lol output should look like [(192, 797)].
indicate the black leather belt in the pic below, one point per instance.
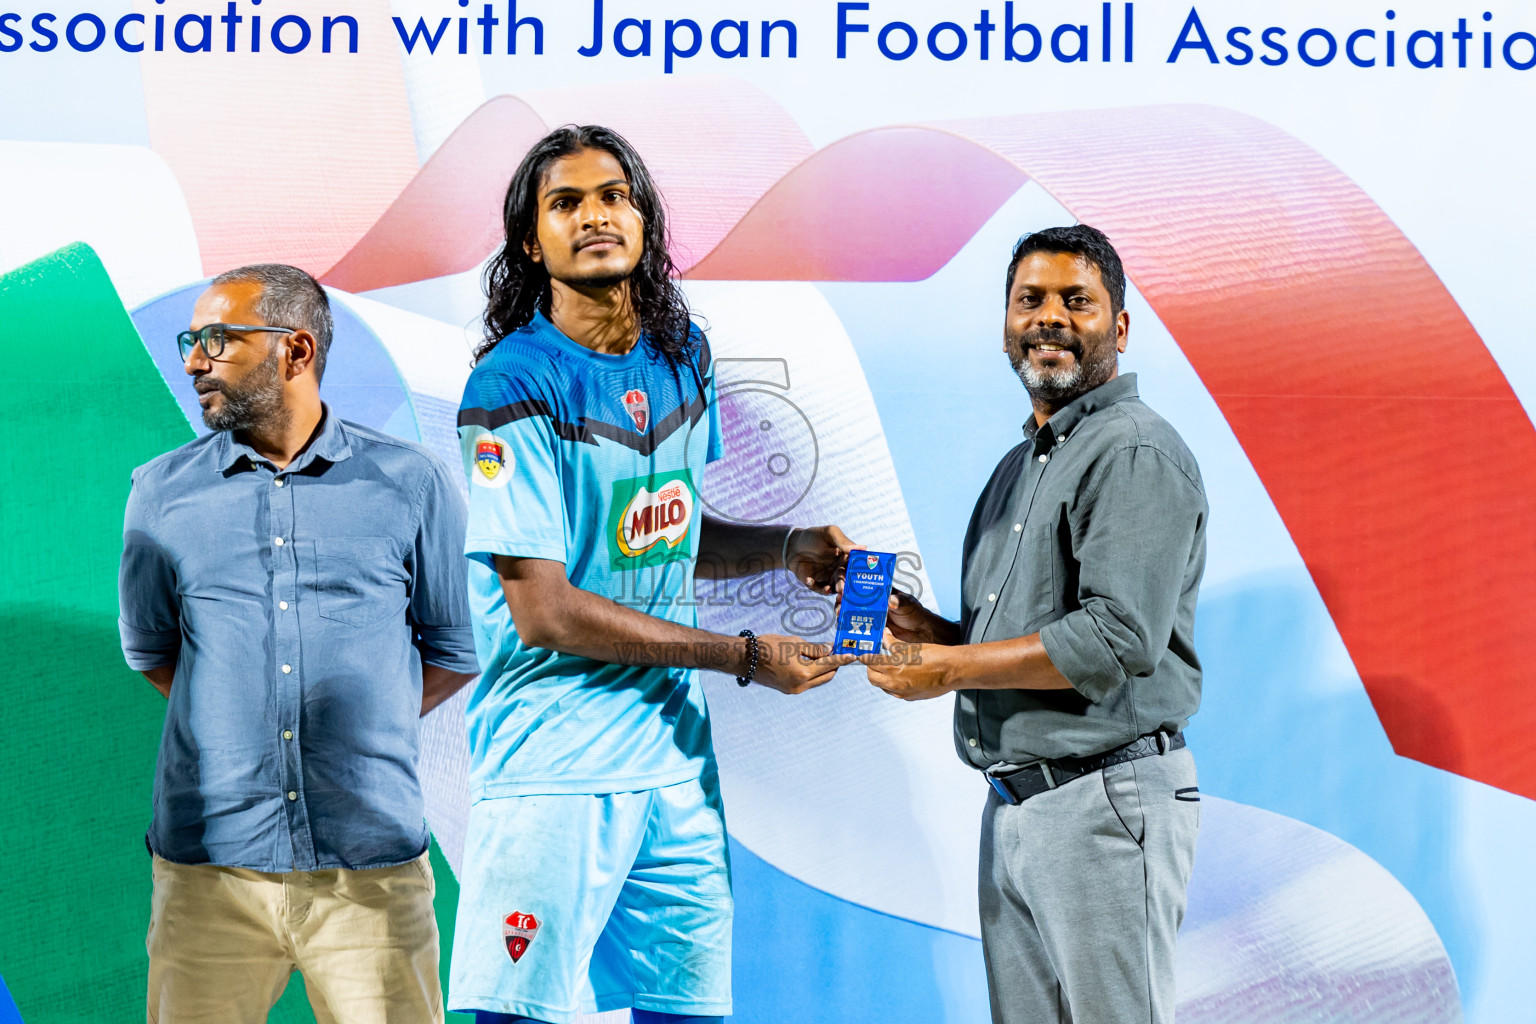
[(1046, 774)]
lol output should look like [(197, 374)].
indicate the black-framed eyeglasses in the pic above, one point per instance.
[(211, 337)]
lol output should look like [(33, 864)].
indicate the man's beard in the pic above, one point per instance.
[(255, 401), (601, 279), (1093, 363)]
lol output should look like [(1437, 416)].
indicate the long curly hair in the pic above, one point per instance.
[(516, 286)]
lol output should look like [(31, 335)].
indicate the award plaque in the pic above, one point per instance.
[(866, 596)]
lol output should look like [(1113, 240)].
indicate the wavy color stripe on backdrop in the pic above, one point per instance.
[(449, 219), (287, 158), (1388, 438)]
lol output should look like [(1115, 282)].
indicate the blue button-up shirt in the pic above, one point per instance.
[(297, 606)]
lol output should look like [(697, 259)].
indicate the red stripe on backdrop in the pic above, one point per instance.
[(1390, 442), (1387, 437), (449, 218)]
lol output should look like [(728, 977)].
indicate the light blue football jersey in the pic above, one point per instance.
[(593, 460)]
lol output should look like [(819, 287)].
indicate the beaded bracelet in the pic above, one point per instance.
[(751, 657)]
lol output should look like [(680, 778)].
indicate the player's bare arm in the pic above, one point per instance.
[(815, 555), (549, 612)]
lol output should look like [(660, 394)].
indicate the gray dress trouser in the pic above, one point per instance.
[(1082, 892)]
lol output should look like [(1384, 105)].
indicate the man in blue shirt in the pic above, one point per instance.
[(293, 584), (595, 869)]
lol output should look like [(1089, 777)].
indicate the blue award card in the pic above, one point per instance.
[(866, 596)]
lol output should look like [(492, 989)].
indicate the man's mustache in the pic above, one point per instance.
[(1060, 336), (594, 239)]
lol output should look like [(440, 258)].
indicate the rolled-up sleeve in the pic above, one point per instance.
[(149, 616), (1133, 539), (439, 577)]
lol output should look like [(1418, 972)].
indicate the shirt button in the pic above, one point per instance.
[(292, 795), (283, 605), (991, 597), (972, 741), (1043, 458), (278, 482), (279, 541), (1062, 439), (287, 669), (287, 734), (1017, 527)]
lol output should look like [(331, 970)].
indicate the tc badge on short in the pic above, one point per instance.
[(518, 930)]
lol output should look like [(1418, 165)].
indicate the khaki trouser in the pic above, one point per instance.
[(223, 941)]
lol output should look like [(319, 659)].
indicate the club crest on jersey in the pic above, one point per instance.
[(518, 930), (639, 408), (492, 461), (650, 519)]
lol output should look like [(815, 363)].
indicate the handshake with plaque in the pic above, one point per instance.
[(866, 597)]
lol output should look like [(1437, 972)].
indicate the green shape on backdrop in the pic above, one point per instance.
[(81, 405)]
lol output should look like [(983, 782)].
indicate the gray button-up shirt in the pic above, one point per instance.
[(1092, 534), (294, 604)]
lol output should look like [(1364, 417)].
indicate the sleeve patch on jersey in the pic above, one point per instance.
[(493, 462)]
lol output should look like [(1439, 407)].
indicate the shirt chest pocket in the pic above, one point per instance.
[(1019, 592), (359, 581), (1033, 587)]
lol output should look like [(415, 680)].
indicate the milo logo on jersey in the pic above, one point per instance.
[(650, 520)]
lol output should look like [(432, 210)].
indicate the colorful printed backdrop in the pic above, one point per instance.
[(1331, 326)]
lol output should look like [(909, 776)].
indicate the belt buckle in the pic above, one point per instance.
[(999, 783), (1001, 789)]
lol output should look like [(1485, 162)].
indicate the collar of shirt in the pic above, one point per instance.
[(329, 444), (1061, 424)]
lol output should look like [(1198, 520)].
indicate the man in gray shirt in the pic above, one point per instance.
[(1073, 662)]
